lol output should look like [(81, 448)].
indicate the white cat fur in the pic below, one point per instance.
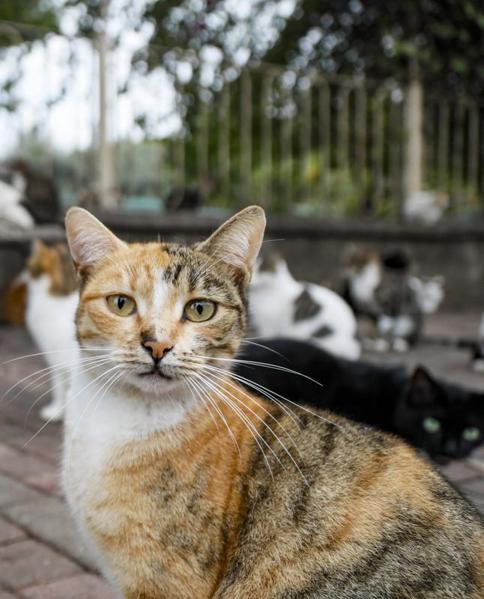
[(50, 321), (271, 304)]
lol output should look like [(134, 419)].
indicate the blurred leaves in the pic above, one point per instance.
[(26, 21)]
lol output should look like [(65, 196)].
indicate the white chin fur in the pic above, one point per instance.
[(152, 384)]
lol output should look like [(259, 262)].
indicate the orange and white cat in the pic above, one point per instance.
[(187, 486), (44, 297)]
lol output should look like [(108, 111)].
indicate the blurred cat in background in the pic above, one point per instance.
[(446, 420), (281, 306), (28, 195), (47, 291), (478, 351), (383, 289)]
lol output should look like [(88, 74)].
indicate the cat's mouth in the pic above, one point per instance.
[(155, 373)]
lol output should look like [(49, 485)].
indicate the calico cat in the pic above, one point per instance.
[(51, 300), (445, 420), (186, 485), (280, 305)]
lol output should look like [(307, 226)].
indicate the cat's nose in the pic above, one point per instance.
[(157, 349), (451, 447)]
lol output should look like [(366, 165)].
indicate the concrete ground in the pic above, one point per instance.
[(41, 554)]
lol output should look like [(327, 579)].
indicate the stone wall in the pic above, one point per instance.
[(314, 249)]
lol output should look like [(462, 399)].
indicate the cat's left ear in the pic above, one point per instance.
[(423, 388), (237, 242), (89, 240)]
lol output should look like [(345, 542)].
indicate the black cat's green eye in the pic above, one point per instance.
[(199, 310), (431, 425), (471, 434), (121, 305)]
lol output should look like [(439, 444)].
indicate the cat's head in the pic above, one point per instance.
[(357, 259), (430, 292), (53, 264), (270, 270), (160, 310), (445, 420)]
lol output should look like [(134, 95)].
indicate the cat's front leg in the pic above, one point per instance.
[(54, 411)]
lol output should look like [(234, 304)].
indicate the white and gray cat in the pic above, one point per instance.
[(282, 306), (383, 289)]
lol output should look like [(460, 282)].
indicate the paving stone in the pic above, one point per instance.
[(29, 563), (10, 533), (13, 492), (48, 518), (28, 469), (85, 586), (474, 487), (459, 471), (46, 445)]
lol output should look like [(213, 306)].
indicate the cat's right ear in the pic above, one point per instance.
[(89, 240)]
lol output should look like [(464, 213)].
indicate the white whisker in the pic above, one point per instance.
[(273, 433), (243, 417)]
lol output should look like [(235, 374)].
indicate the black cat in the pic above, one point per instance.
[(445, 420)]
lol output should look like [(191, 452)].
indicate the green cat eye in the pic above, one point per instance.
[(471, 434), (199, 310), (431, 425), (121, 305)]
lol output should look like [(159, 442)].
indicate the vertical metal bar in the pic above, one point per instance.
[(202, 145), (443, 147), (377, 150), (304, 141), (481, 155), (458, 154), (179, 158), (266, 141), (324, 140), (245, 137), (343, 129), (286, 150), (473, 151), (395, 174), (106, 181), (224, 141), (428, 170), (360, 143)]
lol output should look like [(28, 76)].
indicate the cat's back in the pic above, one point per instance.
[(364, 517), (334, 306)]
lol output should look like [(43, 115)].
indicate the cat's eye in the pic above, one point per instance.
[(431, 425), (199, 310), (471, 434), (121, 305)]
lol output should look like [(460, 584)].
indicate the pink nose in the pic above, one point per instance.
[(158, 349)]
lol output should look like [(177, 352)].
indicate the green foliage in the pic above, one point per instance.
[(25, 21), (442, 39)]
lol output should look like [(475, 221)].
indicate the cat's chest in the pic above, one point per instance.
[(50, 318), (140, 503), (148, 518)]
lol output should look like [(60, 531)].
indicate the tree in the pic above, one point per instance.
[(443, 39)]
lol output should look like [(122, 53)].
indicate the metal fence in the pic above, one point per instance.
[(292, 141)]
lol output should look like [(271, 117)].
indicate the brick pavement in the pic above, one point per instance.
[(41, 554)]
